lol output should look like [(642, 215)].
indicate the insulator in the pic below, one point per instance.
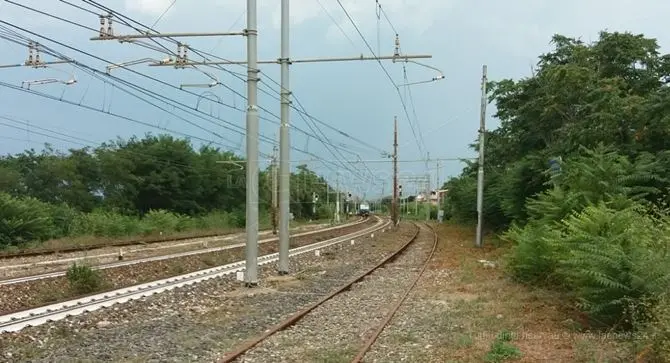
[(110, 30), (102, 25)]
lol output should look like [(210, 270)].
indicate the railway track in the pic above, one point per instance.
[(237, 354), (154, 258), (37, 316), (5, 255)]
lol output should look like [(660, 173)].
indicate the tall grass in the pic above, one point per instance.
[(28, 221)]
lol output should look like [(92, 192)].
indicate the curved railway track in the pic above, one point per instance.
[(5, 255), (154, 258), (240, 351), (37, 316)]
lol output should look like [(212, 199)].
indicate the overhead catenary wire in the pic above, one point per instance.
[(234, 73), (169, 38), (201, 53), (153, 94), (304, 111), (404, 106), (84, 142)]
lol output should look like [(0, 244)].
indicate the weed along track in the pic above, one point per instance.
[(43, 290), (346, 321)]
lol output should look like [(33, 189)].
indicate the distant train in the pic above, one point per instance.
[(364, 210)]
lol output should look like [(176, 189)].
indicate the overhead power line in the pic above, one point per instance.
[(155, 95), (326, 140)]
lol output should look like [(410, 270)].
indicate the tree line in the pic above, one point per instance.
[(577, 179), (134, 186)]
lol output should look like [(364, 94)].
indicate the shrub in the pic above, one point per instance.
[(107, 224), (613, 259), (160, 221), (83, 279), (23, 220), (653, 338), (64, 219)]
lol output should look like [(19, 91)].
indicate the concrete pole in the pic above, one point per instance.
[(274, 190), (427, 200), (284, 169), (251, 267), (337, 201), (328, 200), (437, 189), (394, 201), (480, 172)]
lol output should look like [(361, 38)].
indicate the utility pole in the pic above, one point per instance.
[(182, 62), (428, 206), (394, 212), (428, 202), (416, 200), (284, 143), (328, 200), (437, 190), (480, 172), (274, 190), (251, 267), (337, 201)]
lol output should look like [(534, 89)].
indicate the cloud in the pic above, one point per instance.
[(148, 7)]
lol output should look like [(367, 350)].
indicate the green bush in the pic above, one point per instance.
[(613, 259), (592, 234), (217, 220), (652, 342), (107, 224), (83, 279), (157, 221), (64, 219), (23, 220)]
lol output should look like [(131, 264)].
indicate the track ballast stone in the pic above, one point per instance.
[(336, 330), (199, 322), (36, 293)]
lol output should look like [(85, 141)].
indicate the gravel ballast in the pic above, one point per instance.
[(32, 265), (199, 322), (336, 330), (30, 294)]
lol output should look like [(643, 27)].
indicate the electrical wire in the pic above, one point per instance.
[(404, 106), (164, 12), (151, 47), (98, 57), (201, 53)]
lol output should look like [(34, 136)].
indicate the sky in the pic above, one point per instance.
[(355, 98)]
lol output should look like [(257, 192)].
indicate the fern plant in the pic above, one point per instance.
[(609, 258)]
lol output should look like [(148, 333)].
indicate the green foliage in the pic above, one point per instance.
[(158, 184), (107, 224), (23, 220), (162, 221), (83, 279), (595, 229), (612, 259), (653, 340), (501, 349)]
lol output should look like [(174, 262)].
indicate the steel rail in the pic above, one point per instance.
[(368, 344), (139, 241), (231, 356), (37, 316), (48, 275)]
